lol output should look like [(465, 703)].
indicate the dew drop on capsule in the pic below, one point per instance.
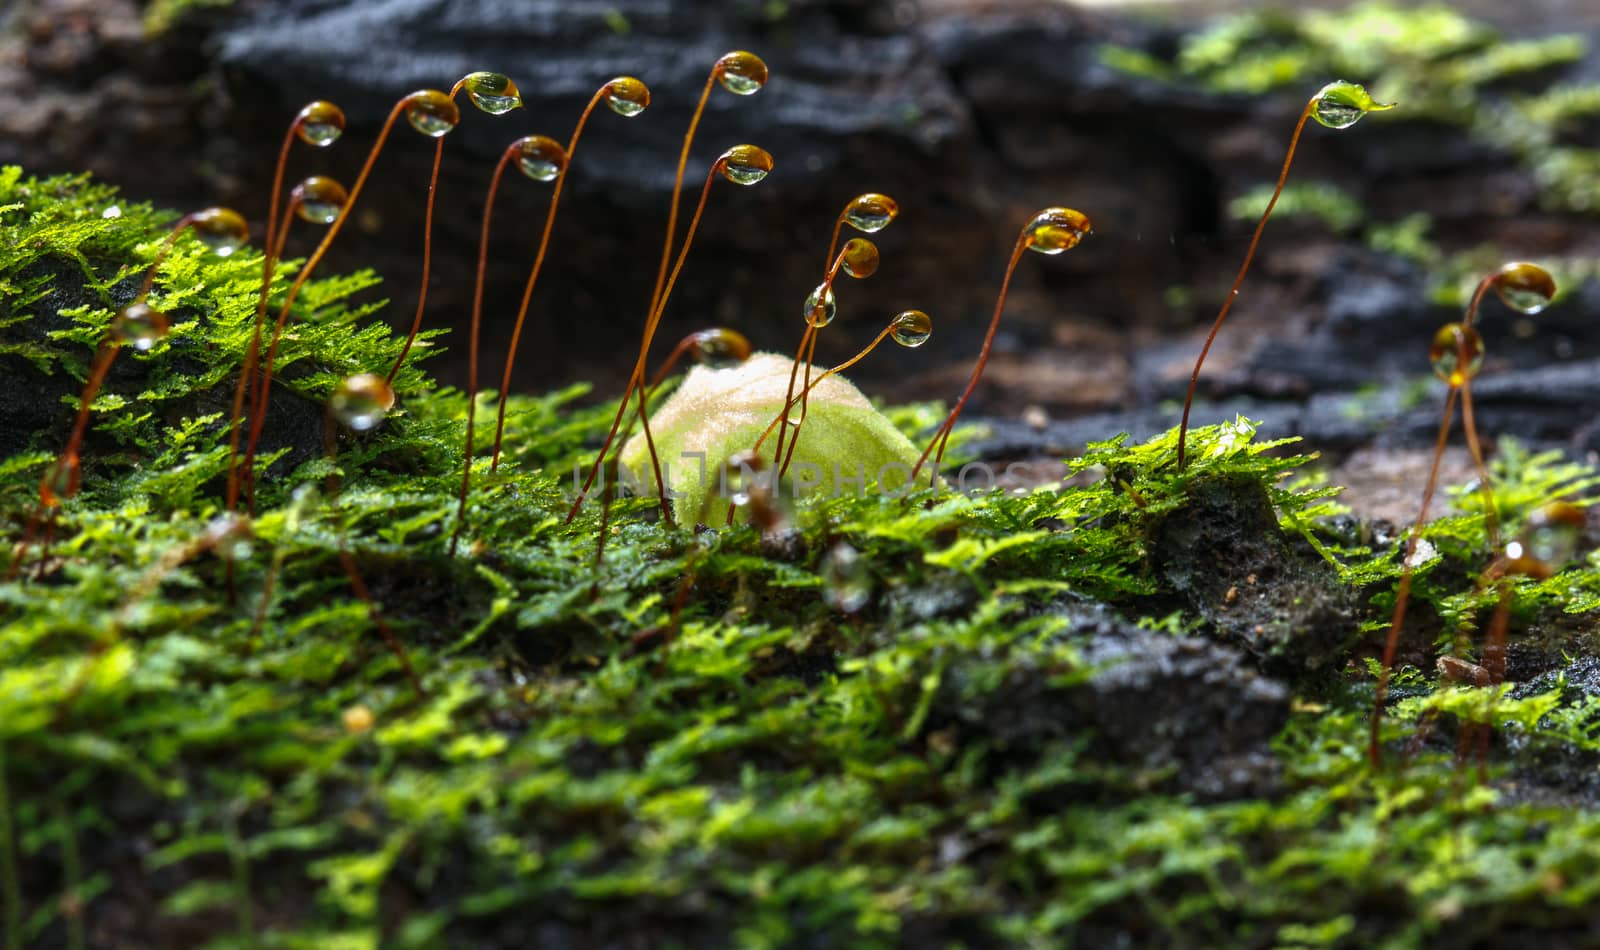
[(221, 229), (871, 212), (361, 401), (847, 584), (540, 157), (319, 124), (319, 199), (912, 328), (493, 93), (745, 164), (61, 481), (741, 73), (1553, 531), (431, 112), (860, 257), (1055, 230), (1525, 288), (1339, 105), (1456, 354), (720, 347), (821, 306), (627, 96), (139, 325)]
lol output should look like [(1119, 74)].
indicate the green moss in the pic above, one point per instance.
[(783, 773)]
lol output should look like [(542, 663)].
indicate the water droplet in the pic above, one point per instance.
[(741, 73), (745, 164), (860, 257), (319, 199), (60, 481), (1456, 354), (112, 212), (820, 306), (1339, 105), (220, 229), (431, 112), (319, 124), (229, 535), (361, 401), (540, 157), (871, 212), (1525, 288), (627, 96), (493, 93), (139, 326), (1552, 533), (720, 347), (847, 583), (1054, 230), (912, 328), (744, 475)]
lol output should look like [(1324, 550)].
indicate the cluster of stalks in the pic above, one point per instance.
[(362, 402)]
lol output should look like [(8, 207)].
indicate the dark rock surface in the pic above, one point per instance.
[(972, 114)]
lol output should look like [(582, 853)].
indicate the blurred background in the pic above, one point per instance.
[(1165, 123)]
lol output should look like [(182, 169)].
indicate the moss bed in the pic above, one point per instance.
[(1132, 710)]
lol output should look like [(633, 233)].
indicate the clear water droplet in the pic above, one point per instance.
[(1552, 533), (871, 212), (745, 164), (1456, 354), (139, 325), (912, 328), (720, 347), (847, 583), (1525, 288), (860, 258), (540, 157), (361, 401), (744, 475), (627, 96), (319, 199), (821, 307), (1339, 105), (229, 535), (60, 481), (220, 229), (493, 93), (741, 73), (431, 112), (319, 124), (1055, 230)]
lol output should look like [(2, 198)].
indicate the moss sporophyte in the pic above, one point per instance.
[(825, 719)]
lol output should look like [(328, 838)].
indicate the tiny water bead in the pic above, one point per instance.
[(860, 258), (871, 212), (431, 112), (847, 581), (912, 328), (1552, 533), (821, 306), (1340, 104), (361, 401), (223, 230), (540, 157), (1055, 230), (1456, 354), (627, 96), (745, 164), (60, 481), (720, 347), (319, 199), (493, 93), (742, 476), (319, 124), (1525, 288), (139, 325), (741, 73)]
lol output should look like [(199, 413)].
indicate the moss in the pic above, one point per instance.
[(974, 753)]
